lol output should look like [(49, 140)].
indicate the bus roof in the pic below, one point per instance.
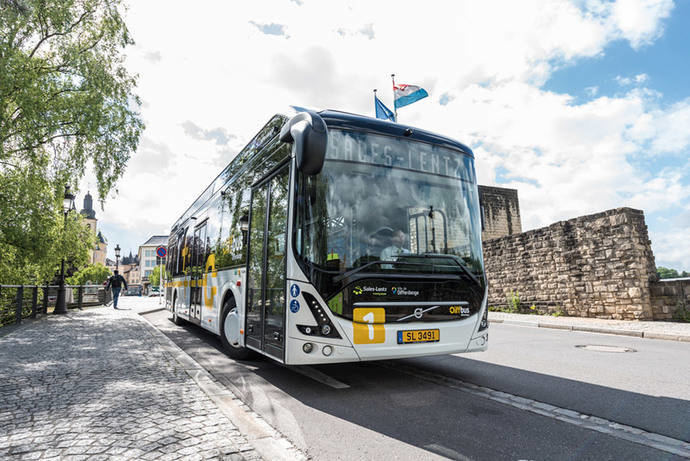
[(346, 120)]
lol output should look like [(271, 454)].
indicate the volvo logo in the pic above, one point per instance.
[(418, 313)]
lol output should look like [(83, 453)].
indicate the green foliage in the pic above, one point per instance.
[(34, 235), (665, 273), (513, 300), (155, 276), (65, 100), (94, 273), (560, 312)]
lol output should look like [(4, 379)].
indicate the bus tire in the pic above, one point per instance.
[(236, 352), (176, 318)]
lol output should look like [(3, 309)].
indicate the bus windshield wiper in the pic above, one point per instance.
[(457, 261), (352, 272)]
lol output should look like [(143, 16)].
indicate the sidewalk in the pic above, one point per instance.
[(674, 331), (104, 384)]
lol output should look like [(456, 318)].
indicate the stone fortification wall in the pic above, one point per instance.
[(671, 299), (598, 265), (500, 212)]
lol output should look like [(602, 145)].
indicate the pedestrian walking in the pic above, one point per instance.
[(115, 283)]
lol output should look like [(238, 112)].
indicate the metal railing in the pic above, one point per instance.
[(18, 302)]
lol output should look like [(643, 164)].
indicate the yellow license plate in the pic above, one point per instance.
[(418, 336)]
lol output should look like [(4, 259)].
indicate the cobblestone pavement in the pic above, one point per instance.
[(98, 385), (655, 330)]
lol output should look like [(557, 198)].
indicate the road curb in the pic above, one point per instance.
[(555, 326), (609, 331), (586, 329), (151, 311), (266, 440), (585, 421)]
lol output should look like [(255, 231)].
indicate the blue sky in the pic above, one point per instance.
[(582, 105), (665, 63)]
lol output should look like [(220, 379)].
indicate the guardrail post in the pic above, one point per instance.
[(20, 302), (80, 296), (34, 301), (45, 300)]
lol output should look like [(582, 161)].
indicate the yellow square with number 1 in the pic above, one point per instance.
[(368, 325)]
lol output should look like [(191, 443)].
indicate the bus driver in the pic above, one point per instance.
[(390, 253)]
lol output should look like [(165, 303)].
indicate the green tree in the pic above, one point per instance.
[(93, 273), (665, 273), (155, 276), (66, 100), (34, 235)]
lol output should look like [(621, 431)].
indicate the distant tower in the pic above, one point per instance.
[(88, 212), (101, 248)]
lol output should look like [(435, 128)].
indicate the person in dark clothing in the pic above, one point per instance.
[(115, 283)]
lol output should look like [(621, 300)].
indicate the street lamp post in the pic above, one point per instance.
[(117, 256), (67, 206)]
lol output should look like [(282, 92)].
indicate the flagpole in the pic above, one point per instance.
[(395, 109), (374, 102)]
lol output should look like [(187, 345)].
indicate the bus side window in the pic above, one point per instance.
[(231, 249), (172, 242), (185, 253)]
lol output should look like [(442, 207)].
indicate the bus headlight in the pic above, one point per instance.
[(327, 350), (307, 347)]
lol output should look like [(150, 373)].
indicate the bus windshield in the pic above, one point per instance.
[(385, 204)]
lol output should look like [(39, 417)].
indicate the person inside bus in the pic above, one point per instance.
[(396, 248)]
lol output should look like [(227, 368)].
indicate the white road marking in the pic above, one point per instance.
[(605, 426)]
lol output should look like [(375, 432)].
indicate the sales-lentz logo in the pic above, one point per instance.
[(376, 291), (402, 291)]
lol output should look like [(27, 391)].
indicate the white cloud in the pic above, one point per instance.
[(664, 131), (634, 80), (592, 91), (227, 72), (638, 21), (641, 78)]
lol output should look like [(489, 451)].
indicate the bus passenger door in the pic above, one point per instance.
[(266, 271), (197, 272)]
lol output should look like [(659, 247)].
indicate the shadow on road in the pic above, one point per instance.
[(442, 420)]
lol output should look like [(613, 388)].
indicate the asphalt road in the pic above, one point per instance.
[(389, 412)]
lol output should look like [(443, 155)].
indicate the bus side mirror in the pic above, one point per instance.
[(308, 132)]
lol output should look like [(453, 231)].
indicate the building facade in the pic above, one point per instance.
[(147, 256), (100, 250)]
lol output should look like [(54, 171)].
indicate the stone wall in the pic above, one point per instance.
[(500, 212), (670, 297), (599, 265)]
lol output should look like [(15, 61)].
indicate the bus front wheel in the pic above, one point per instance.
[(230, 333)]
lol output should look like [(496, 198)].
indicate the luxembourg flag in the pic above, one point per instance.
[(407, 94)]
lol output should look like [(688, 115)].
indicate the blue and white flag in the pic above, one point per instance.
[(407, 94), (383, 112)]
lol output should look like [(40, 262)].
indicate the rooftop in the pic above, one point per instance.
[(156, 240)]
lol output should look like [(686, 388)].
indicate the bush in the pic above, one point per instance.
[(95, 274), (513, 299)]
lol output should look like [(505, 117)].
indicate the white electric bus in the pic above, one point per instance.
[(333, 237)]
